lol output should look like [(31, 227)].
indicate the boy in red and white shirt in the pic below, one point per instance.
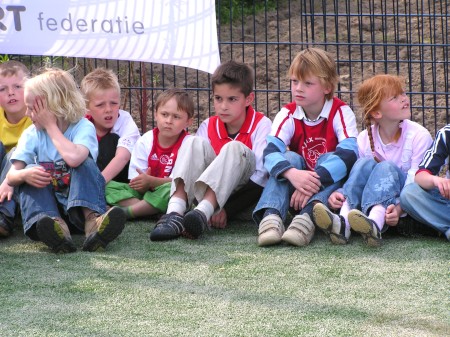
[(153, 158), (222, 166)]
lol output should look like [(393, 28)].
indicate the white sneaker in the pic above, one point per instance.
[(331, 224), (300, 231), (271, 229)]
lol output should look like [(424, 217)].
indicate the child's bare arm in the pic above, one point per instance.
[(72, 154), (35, 176), (429, 181), (117, 164)]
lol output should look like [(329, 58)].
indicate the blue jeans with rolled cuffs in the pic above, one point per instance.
[(428, 207), (371, 183), (278, 191), (87, 189), (7, 207)]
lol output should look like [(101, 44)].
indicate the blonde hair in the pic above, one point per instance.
[(13, 68), (370, 94), (99, 79), (184, 101), (316, 62), (59, 89)]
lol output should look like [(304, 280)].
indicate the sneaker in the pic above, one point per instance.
[(102, 229), (168, 227), (300, 232), (331, 224), (195, 224), (6, 225), (270, 230), (55, 234), (361, 224)]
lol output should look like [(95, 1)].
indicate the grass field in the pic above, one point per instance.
[(224, 285)]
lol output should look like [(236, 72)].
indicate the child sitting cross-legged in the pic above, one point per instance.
[(153, 158)]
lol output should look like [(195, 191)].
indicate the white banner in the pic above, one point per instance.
[(177, 32)]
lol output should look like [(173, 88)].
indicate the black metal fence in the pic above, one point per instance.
[(410, 38)]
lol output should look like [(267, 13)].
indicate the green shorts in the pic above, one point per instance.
[(158, 198)]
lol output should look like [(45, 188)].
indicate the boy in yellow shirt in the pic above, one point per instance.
[(12, 123)]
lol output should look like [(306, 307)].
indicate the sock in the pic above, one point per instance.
[(206, 208), (128, 212), (377, 214), (270, 211), (176, 205), (344, 213)]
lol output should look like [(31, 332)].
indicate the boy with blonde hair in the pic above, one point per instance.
[(310, 150), (221, 167), (13, 122), (116, 130)]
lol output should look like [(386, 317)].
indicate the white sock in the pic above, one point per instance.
[(206, 208), (378, 214), (344, 213), (177, 205)]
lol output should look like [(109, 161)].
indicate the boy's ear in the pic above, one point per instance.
[(190, 121), (249, 99)]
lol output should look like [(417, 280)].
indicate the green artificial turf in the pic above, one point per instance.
[(225, 285)]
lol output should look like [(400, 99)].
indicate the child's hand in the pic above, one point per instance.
[(38, 177), (6, 191), (299, 200), (336, 200), (306, 182), (141, 183), (443, 184), (42, 115), (219, 220), (393, 213)]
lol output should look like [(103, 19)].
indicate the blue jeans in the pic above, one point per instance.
[(87, 189), (428, 207), (7, 207), (371, 183), (278, 191)]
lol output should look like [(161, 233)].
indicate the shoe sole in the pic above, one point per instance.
[(322, 219), (4, 233), (109, 230), (360, 225), (193, 227), (47, 230)]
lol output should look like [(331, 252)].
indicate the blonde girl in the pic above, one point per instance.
[(61, 188)]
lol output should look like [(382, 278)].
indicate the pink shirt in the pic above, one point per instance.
[(406, 153)]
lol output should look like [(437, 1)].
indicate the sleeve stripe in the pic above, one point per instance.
[(344, 127)]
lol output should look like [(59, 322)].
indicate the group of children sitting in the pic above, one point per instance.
[(74, 162)]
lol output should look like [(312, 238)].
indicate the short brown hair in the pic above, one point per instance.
[(184, 101), (236, 74), (316, 62), (99, 79), (12, 68)]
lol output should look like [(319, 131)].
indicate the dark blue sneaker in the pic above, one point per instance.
[(169, 227), (195, 224)]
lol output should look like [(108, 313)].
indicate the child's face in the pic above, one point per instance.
[(230, 105), (171, 121), (309, 93), (394, 108), (12, 95), (103, 106)]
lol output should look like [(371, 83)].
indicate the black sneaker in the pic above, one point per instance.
[(168, 227), (51, 233), (368, 229), (6, 225), (195, 224), (106, 228)]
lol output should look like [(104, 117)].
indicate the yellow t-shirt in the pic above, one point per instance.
[(10, 133)]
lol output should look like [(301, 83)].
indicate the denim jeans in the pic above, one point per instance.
[(371, 183), (87, 189), (428, 207), (278, 191), (7, 207)]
